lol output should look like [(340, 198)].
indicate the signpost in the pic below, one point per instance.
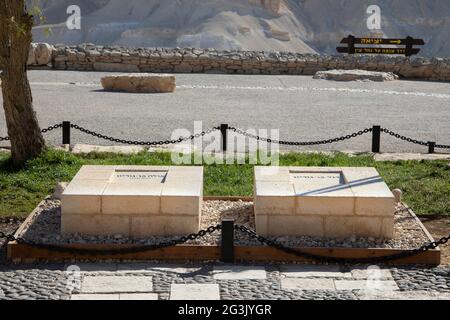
[(408, 42)]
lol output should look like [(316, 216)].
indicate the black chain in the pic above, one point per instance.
[(242, 132), (112, 252), (404, 138), (442, 146), (308, 143), (252, 234), (51, 128), (143, 143)]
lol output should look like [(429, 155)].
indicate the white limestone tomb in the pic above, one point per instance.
[(323, 202), (133, 201)]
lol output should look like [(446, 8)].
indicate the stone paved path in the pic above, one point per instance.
[(151, 281)]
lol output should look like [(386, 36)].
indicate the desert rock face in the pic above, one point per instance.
[(303, 26)]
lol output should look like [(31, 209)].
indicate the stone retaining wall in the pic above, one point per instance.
[(99, 58)]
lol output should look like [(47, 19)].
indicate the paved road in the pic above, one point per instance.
[(300, 107), (149, 281)]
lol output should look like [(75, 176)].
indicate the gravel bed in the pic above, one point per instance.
[(45, 228)]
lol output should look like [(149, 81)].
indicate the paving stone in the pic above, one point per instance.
[(307, 284), (95, 297), (405, 295), (194, 292), (239, 273), (371, 273), (313, 271), (138, 296), (116, 284), (94, 267), (385, 285), (151, 268)]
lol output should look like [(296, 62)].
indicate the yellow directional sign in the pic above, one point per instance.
[(368, 50), (379, 41)]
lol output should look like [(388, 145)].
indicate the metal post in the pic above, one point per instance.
[(431, 146), (351, 44), (409, 46), (224, 131), (376, 139), (227, 241), (66, 132)]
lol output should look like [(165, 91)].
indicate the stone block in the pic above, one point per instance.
[(194, 291), (115, 67), (101, 225), (282, 225), (339, 227), (140, 83), (261, 224), (387, 228), (116, 284), (158, 225), (313, 271), (367, 226)]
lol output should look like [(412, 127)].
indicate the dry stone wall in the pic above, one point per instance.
[(188, 60)]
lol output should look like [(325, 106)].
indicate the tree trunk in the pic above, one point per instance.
[(15, 38)]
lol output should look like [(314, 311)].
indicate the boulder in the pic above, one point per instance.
[(355, 75), (140, 83), (43, 53), (32, 55)]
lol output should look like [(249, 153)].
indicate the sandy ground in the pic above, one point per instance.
[(298, 106)]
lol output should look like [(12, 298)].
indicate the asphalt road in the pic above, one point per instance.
[(300, 107)]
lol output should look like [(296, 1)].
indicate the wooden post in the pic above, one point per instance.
[(227, 246), (376, 139)]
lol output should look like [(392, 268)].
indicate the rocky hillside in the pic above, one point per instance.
[(271, 25)]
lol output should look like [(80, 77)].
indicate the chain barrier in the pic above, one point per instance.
[(404, 138), (271, 243), (442, 146), (241, 132), (249, 232), (143, 143), (112, 252), (51, 128), (295, 143)]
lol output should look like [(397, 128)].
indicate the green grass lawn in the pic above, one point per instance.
[(426, 185)]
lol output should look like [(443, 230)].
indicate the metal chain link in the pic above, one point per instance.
[(442, 146), (252, 234), (112, 252), (143, 143), (308, 143), (48, 129), (404, 138)]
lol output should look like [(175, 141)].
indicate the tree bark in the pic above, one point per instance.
[(15, 38)]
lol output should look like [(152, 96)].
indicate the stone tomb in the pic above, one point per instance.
[(323, 202), (134, 201)]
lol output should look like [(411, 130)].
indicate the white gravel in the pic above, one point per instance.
[(45, 228)]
